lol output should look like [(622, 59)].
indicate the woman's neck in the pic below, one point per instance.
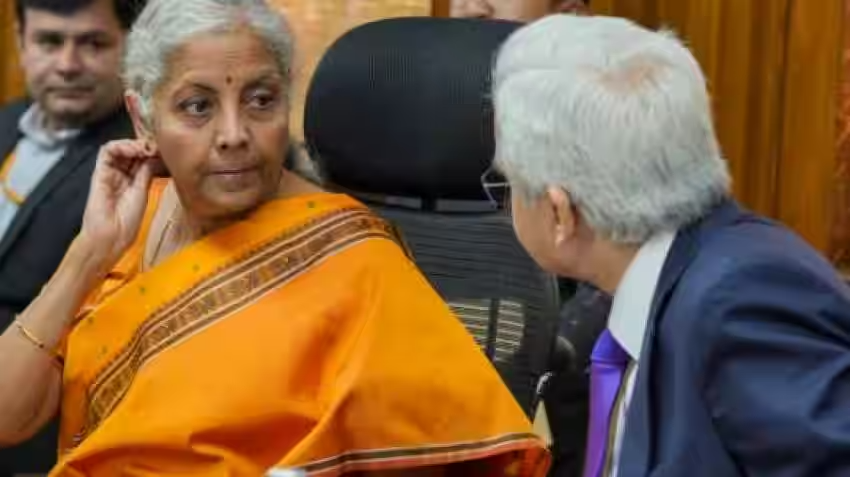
[(191, 228), (176, 227), (290, 185)]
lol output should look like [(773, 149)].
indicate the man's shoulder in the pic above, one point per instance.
[(750, 248), (116, 125), (755, 265), (13, 110)]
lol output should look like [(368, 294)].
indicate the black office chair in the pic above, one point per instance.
[(398, 114)]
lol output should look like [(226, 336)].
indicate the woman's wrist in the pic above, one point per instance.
[(87, 259), (85, 264)]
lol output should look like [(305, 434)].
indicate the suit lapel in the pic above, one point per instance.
[(9, 142), (78, 151), (54, 177), (9, 122), (638, 442)]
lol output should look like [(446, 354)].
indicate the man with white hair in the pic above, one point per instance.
[(585, 307), (727, 350)]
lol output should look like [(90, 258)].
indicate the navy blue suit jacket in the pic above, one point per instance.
[(745, 369)]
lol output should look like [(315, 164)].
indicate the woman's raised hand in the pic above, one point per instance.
[(118, 197)]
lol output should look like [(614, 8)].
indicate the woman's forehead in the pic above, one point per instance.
[(230, 57)]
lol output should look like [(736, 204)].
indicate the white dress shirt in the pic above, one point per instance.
[(629, 316)]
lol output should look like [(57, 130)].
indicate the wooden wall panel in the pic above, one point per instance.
[(808, 161), (746, 75), (441, 8), (841, 229), (11, 84)]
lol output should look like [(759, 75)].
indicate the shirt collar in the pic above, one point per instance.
[(31, 125), (633, 298)]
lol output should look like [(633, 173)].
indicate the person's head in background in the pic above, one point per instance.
[(641, 157), (519, 10), (71, 52)]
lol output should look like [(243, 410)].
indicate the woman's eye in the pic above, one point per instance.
[(262, 101), (196, 106)]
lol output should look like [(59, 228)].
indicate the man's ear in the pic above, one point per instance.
[(564, 213), (134, 108)]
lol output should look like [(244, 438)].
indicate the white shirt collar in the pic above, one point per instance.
[(633, 298), (31, 125)]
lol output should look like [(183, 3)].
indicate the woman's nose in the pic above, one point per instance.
[(232, 131)]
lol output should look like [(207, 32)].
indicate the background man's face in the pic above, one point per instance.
[(522, 10), (519, 10), (72, 63)]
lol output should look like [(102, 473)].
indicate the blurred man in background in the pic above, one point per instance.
[(585, 312), (70, 52)]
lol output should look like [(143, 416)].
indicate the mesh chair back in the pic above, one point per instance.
[(398, 115)]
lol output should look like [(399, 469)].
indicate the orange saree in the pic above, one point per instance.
[(300, 337)]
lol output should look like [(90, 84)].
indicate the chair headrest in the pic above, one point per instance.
[(401, 107)]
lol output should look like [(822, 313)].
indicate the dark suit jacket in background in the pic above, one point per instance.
[(745, 369), (37, 240)]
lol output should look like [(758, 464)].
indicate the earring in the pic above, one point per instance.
[(149, 148)]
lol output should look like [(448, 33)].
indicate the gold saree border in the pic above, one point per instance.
[(224, 292), (427, 455)]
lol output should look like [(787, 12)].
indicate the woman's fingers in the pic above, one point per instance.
[(143, 177), (126, 155)]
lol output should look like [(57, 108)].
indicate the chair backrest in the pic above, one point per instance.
[(398, 115)]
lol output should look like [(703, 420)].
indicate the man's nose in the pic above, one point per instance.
[(69, 62)]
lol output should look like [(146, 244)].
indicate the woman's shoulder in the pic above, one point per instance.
[(340, 225)]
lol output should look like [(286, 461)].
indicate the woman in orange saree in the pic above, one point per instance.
[(301, 337), (239, 319)]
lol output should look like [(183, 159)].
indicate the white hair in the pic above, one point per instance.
[(166, 25), (616, 115)]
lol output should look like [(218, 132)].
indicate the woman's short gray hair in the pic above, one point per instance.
[(616, 115), (166, 25)]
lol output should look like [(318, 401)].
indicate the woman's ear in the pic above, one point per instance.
[(134, 108), (143, 133)]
